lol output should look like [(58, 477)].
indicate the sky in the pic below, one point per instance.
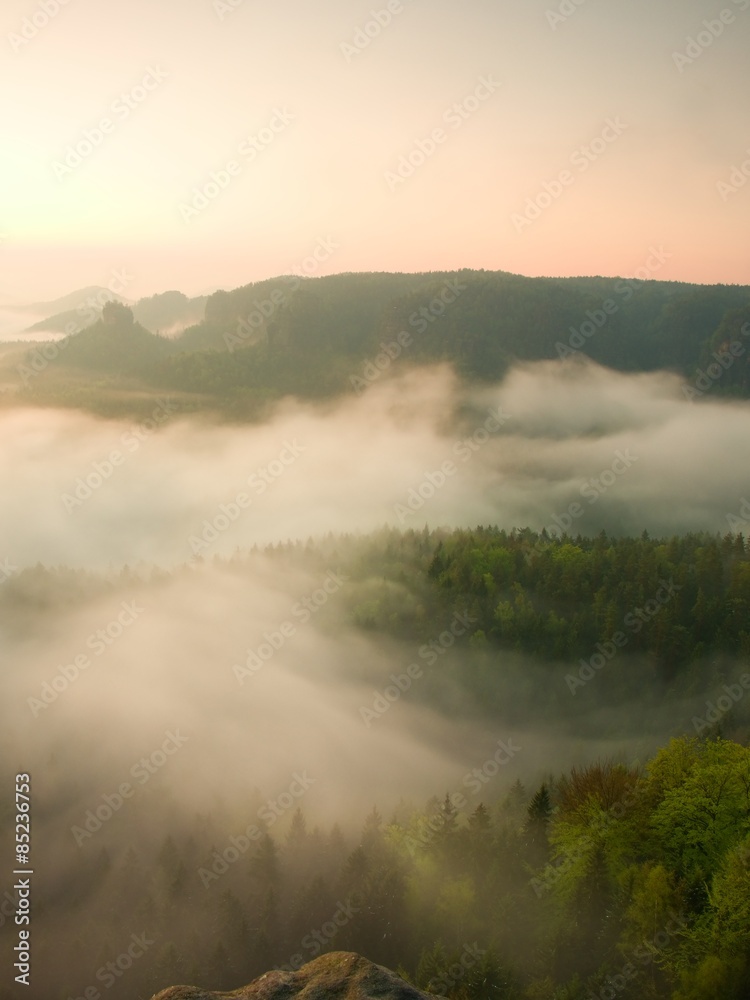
[(207, 144)]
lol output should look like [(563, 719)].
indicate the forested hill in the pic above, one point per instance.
[(322, 337), (480, 319), (625, 878), (659, 618)]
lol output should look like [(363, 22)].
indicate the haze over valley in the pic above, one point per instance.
[(374, 449)]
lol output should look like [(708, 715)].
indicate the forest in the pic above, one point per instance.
[(623, 876), (326, 337), (611, 880), (588, 833)]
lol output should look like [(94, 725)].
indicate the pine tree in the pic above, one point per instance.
[(539, 814)]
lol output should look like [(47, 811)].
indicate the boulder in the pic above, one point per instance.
[(342, 975)]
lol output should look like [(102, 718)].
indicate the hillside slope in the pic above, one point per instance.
[(325, 337)]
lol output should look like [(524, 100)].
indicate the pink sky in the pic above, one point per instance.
[(499, 135)]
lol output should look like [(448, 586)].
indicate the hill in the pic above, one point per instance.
[(327, 336), (73, 300), (167, 312), (116, 344), (324, 337), (478, 319)]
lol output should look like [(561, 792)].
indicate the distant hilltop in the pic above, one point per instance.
[(167, 313), (237, 352)]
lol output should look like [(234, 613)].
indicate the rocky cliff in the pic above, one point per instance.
[(341, 975)]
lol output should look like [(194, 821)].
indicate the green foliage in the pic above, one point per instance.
[(704, 804), (456, 909), (611, 876)]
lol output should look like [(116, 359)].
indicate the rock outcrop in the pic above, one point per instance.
[(340, 975)]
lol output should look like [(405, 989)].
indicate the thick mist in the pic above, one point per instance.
[(555, 445), (212, 703), (152, 690), (262, 672)]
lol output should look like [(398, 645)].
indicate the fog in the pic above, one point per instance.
[(100, 495), (255, 687), (14, 322), (196, 656), (630, 450)]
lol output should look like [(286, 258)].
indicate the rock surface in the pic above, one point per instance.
[(342, 975)]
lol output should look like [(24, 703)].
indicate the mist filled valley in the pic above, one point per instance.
[(375, 504), (443, 661)]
